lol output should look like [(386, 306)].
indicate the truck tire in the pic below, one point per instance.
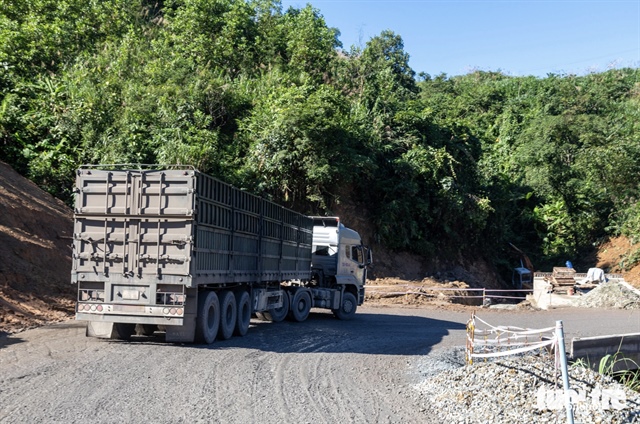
[(228, 315), (123, 331), (300, 305), (208, 320), (244, 313), (347, 308), (278, 314)]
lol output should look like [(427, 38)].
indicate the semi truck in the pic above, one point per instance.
[(169, 248)]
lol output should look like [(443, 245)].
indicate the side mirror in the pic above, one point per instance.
[(369, 255)]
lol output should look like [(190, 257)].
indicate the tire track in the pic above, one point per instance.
[(259, 390), (295, 385)]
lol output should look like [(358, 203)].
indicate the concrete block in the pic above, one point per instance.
[(593, 349)]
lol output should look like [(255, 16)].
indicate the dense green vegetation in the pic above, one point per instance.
[(268, 100)]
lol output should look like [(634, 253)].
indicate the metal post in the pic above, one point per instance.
[(565, 371)]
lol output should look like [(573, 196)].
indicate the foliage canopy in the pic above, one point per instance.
[(268, 100)]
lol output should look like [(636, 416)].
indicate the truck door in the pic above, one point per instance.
[(356, 263), (133, 224)]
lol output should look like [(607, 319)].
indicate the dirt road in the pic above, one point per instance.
[(319, 371)]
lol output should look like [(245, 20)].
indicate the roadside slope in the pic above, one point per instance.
[(620, 255), (35, 254)]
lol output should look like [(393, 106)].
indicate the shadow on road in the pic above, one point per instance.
[(379, 334), (367, 333), (7, 340)]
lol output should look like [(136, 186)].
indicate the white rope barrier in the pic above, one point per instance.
[(514, 351), (508, 340), (514, 330), (503, 342), (513, 344)]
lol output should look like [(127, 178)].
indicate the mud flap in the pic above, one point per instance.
[(185, 333), (102, 330)]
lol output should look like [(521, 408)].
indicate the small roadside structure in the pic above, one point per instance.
[(615, 293)]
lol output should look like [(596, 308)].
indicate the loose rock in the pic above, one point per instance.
[(526, 389), (612, 294)]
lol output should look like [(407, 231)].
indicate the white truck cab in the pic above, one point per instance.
[(339, 259)]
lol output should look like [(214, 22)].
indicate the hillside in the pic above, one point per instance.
[(621, 255), (35, 254)]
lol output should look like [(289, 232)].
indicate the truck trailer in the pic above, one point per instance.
[(168, 248)]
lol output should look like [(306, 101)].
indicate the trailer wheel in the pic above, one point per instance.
[(347, 308), (300, 306), (123, 331), (208, 320), (278, 314), (228, 315), (244, 313)]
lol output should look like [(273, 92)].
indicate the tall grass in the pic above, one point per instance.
[(609, 365), (630, 376)]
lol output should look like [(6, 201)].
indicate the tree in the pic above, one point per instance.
[(311, 45), (301, 143)]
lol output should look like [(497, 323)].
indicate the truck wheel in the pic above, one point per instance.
[(278, 314), (228, 315), (244, 313), (300, 306), (208, 320), (123, 331), (347, 308)]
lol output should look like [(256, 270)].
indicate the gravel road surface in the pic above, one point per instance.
[(319, 371)]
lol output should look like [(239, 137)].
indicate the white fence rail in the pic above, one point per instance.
[(482, 293)]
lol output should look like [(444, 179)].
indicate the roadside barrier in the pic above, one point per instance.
[(484, 293), (498, 341)]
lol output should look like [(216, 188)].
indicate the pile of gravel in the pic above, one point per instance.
[(613, 295), (519, 390)]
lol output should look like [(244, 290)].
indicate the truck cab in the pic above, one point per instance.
[(339, 260)]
